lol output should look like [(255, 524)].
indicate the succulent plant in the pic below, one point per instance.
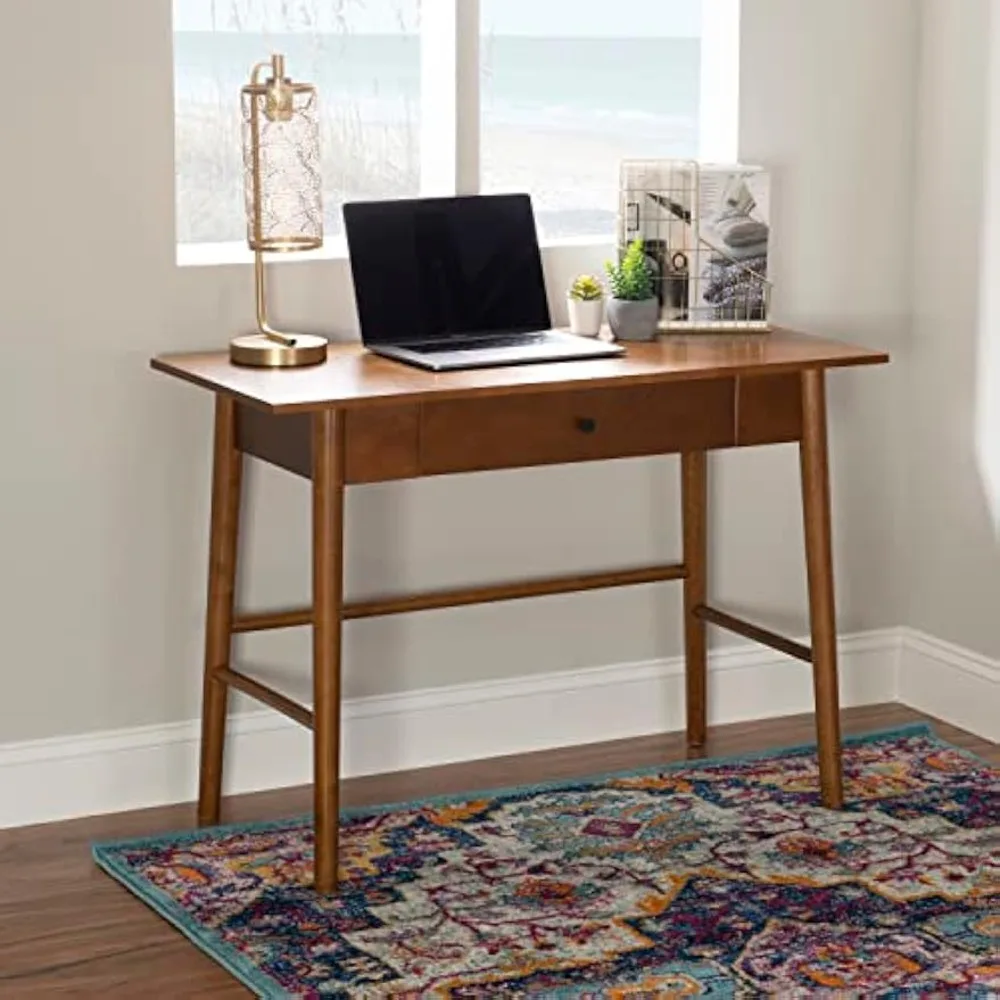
[(586, 288)]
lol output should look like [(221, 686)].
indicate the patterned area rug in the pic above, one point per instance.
[(717, 878)]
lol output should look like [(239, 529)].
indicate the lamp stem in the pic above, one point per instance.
[(262, 324)]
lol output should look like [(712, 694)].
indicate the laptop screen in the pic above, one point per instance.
[(430, 268)]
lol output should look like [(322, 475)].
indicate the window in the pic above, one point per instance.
[(363, 56), (545, 97), (568, 88)]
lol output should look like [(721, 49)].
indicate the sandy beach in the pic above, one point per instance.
[(571, 173)]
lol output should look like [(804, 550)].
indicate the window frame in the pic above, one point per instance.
[(451, 137)]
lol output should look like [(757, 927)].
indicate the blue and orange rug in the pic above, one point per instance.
[(717, 878)]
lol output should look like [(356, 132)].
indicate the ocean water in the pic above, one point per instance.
[(557, 116)]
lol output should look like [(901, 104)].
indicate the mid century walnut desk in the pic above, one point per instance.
[(363, 419)]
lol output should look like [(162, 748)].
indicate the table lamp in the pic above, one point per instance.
[(284, 202)]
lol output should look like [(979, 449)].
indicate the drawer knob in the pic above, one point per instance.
[(586, 424)]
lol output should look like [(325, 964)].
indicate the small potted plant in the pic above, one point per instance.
[(633, 309), (585, 300)]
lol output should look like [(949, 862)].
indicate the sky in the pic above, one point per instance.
[(546, 18)]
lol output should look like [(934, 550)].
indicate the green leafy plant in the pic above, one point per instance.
[(586, 288), (631, 278)]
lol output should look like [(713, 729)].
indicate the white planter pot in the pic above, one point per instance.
[(585, 317)]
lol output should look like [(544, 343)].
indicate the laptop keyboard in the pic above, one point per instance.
[(478, 343)]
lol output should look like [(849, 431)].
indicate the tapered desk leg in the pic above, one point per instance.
[(819, 563), (694, 496), (328, 563), (227, 477)]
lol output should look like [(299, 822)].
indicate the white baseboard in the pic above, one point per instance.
[(950, 683), (55, 779), (46, 780)]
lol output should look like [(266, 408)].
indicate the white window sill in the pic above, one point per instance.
[(214, 254), (334, 248)]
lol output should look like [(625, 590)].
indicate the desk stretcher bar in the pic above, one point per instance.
[(483, 595), (464, 597)]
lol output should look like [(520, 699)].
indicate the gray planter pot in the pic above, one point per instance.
[(633, 320)]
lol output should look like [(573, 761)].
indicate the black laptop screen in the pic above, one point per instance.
[(428, 268)]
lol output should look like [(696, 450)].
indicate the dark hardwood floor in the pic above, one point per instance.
[(68, 930)]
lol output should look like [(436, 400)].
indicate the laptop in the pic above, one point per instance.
[(455, 283)]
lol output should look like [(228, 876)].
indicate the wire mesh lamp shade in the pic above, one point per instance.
[(282, 181), (283, 193)]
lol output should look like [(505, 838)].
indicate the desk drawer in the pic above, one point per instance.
[(551, 428)]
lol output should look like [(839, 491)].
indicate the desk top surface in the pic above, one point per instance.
[(352, 377)]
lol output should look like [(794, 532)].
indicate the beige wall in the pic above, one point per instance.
[(953, 434), (104, 472)]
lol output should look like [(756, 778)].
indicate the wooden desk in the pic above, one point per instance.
[(363, 419)]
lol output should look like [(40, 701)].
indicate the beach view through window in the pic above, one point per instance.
[(362, 55), (571, 87), (568, 88)]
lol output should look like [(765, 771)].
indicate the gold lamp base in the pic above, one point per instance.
[(257, 350)]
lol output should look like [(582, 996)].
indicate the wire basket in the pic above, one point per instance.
[(706, 232)]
